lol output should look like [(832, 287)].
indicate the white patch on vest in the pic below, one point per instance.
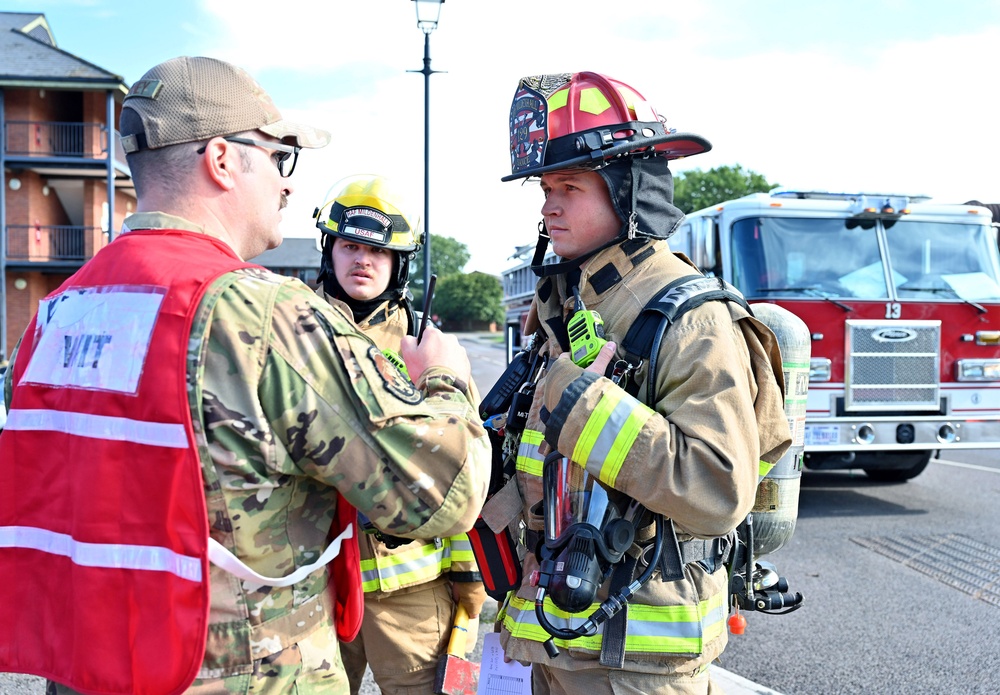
[(424, 481), (94, 338)]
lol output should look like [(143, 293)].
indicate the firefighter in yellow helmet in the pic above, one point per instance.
[(369, 236)]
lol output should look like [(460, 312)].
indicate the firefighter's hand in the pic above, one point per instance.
[(472, 595), (601, 362), (435, 349)]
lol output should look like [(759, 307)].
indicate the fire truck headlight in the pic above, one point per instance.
[(819, 369), (977, 370)]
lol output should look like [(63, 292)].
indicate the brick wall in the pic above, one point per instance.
[(30, 205)]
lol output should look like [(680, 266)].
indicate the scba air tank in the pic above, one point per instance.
[(777, 505)]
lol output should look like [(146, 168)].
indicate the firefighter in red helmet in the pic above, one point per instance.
[(672, 444)]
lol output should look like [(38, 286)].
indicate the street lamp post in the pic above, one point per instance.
[(428, 14)]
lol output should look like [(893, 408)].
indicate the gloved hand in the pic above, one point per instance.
[(472, 595)]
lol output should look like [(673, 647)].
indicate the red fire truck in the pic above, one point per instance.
[(902, 300)]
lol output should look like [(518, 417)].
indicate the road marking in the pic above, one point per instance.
[(967, 465)]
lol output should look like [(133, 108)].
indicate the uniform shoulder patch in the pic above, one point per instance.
[(393, 380)]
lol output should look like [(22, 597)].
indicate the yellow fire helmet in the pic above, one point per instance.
[(370, 210)]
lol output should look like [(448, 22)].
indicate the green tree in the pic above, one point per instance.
[(466, 300), (697, 189), (448, 257)]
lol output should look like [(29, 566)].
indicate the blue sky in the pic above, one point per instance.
[(877, 95)]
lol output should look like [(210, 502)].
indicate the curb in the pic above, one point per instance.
[(737, 685)]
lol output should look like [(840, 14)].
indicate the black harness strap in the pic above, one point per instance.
[(616, 627), (683, 294), (643, 342)]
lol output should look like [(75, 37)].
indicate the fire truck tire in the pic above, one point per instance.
[(905, 465)]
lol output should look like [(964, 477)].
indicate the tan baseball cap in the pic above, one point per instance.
[(189, 99)]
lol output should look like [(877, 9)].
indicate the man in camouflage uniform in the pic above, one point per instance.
[(293, 410), (370, 234)]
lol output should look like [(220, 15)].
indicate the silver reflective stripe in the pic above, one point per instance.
[(109, 555), (459, 544), (601, 450), (99, 427), (636, 628), (392, 570)]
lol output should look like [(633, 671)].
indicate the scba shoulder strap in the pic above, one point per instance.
[(642, 342)]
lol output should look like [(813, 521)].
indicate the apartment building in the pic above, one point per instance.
[(64, 184)]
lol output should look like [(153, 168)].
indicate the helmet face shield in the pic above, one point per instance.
[(528, 131), (587, 531), (573, 496), (585, 119)]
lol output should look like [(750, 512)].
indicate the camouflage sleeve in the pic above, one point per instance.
[(416, 462), (8, 376)]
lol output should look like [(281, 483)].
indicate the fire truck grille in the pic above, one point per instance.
[(892, 365)]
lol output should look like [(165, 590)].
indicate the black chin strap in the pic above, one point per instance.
[(542, 269)]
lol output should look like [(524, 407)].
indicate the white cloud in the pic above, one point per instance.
[(813, 111)]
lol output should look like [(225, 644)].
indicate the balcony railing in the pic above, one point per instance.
[(41, 243), (55, 139)]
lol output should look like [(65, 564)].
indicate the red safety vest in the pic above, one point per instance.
[(103, 523)]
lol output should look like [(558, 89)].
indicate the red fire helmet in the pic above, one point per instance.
[(584, 119)]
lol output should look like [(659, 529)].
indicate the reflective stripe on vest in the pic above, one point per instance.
[(651, 629), (528, 459), (107, 555), (609, 433), (413, 565), (99, 427)]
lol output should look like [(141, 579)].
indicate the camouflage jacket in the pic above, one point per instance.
[(291, 405), (387, 570)]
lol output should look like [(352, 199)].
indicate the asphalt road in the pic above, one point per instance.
[(901, 585)]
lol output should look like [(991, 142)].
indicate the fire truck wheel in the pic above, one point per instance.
[(897, 467)]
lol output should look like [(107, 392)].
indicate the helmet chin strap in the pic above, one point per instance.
[(542, 269)]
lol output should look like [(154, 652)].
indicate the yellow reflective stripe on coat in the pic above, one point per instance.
[(528, 459), (763, 468), (461, 549), (651, 629), (406, 568), (610, 432)]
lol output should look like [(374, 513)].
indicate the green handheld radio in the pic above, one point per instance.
[(396, 360), (586, 333)]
